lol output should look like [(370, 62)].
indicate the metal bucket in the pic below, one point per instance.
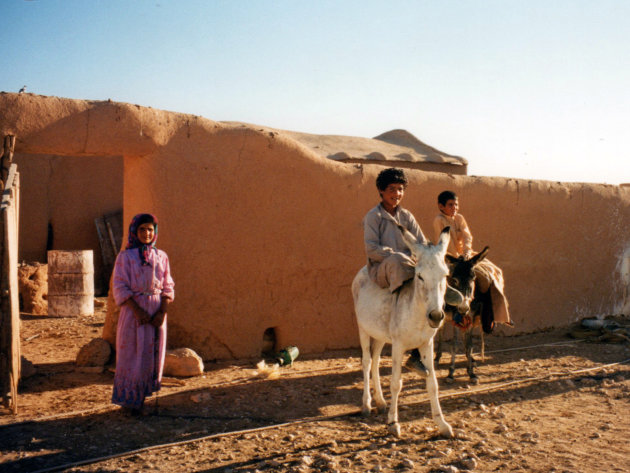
[(70, 282)]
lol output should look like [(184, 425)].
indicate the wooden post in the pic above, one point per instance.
[(10, 362), (7, 158)]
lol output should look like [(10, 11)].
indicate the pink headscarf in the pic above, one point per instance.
[(134, 242)]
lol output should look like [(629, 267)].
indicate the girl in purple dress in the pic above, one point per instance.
[(143, 288)]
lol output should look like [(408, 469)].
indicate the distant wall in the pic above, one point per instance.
[(69, 193), (261, 232), (422, 165), (273, 238)]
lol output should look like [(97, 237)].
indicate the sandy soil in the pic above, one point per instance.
[(545, 403)]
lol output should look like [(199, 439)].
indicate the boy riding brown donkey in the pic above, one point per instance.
[(488, 276)]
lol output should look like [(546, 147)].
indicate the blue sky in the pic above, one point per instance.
[(529, 89)]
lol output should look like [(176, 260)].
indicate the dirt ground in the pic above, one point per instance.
[(545, 403)]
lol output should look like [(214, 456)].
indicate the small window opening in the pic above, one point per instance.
[(269, 341)]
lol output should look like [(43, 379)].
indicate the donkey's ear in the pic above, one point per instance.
[(450, 259), (480, 256), (445, 238)]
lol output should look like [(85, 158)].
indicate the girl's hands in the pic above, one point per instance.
[(141, 316), (158, 318)]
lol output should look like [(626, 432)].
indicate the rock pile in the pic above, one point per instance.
[(33, 288)]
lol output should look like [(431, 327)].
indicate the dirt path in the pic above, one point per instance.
[(553, 405)]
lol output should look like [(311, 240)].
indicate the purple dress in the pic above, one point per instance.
[(140, 349)]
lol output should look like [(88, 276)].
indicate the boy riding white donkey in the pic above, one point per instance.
[(399, 297)]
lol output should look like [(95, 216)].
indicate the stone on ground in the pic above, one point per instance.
[(96, 353), (182, 362)]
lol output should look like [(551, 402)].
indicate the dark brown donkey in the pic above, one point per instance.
[(468, 315)]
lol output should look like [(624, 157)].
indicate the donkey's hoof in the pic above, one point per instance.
[(394, 429), (474, 380), (381, 408), (446, 430), (449, 380), (415, 365), (366, 411)]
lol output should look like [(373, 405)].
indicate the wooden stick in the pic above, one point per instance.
[(112, 240), (7, 157)]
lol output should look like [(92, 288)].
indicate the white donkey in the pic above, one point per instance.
[(409, 319)]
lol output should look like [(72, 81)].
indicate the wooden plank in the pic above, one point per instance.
[(5, 323), (9, 184), (16, 197), (103, 239), (108, 228), (114, 222), (112, 240), (7, 158), (10, 363), (9, 308), (106, 254), (14, 295)]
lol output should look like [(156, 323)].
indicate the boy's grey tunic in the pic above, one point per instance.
[(389, 262)]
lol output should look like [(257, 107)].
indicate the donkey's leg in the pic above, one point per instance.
[(472, 343), (396, 385), (483, 347), (438, 347), (451, 369), (366, 362), (377, 348), (432, 389), (470, 362)]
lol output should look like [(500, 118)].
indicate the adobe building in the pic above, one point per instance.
[(395, 148), (263, 229)]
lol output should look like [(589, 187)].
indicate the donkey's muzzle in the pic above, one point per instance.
[(464, 308), (435, 318)]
